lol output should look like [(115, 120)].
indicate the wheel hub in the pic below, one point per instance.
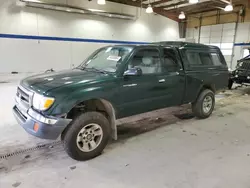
[(207, 104), (89, 137)]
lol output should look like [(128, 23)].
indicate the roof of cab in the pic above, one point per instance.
[(180, 44)]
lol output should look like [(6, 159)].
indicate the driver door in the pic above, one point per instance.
[(139, 94)]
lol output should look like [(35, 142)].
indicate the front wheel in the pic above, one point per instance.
[(86, 136), (204, 105)]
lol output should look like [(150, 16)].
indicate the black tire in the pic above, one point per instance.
[(69, 137), (197, 106), (230, 84)]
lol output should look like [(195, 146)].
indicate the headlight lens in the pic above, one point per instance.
[(41, 102)]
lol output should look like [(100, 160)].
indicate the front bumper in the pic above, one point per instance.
[(45, 130)]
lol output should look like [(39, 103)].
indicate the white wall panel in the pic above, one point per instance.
[(205, 31), (244, 26), (32, 55), (196, 35), (206, 28), (192, 34), (14, 20), (216, 28), (237, 55), (215, 39), (228, 33), (167, 30), (227, 45), (243, 37), (204, 40), (242, 34), (227, 39), (229, 26), (216, 44), (227, 57), (216, 34), (204, 34)]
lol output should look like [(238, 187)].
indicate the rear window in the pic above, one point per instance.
[(203, 58)]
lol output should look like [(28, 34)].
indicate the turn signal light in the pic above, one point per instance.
[(36, 127)]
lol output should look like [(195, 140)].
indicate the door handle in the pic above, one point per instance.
[(162, 80), (177, 73)]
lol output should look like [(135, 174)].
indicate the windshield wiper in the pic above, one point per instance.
[(92, 69), (95, 70)]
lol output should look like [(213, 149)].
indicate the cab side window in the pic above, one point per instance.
[(148, 60), (206, 58), (216, 59), (170, 63), (202, 59), (196, 58), (193, 58)]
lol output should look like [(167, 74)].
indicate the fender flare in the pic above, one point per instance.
[(112, 117), (205, 86)]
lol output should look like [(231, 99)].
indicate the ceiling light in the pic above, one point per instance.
[(182, 16), (101, 2), (193, 1), (149, 9), (229, 8)]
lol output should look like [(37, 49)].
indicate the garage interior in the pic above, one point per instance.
[(163, 148)]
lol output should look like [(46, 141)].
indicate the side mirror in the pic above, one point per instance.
[(133, 72)]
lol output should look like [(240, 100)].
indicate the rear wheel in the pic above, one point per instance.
[(204, 105), (86, 136)]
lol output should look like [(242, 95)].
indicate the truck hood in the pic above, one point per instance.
[(45, 82)]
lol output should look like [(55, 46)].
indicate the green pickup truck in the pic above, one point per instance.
[(81, 105)]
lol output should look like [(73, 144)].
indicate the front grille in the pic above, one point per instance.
[(23, 98), (245, 65)]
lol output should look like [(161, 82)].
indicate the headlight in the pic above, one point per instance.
[(41, 102)]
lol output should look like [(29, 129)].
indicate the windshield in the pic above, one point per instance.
[(106, 59)]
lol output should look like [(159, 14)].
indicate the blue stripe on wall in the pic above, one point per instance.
[(242, 44), (32, 37)]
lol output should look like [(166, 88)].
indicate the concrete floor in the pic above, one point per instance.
[(158, 149)]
